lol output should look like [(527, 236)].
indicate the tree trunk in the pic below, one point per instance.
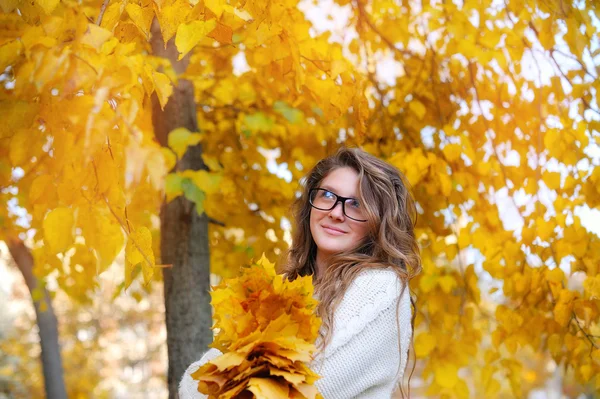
[(184, 235), (46, 319)]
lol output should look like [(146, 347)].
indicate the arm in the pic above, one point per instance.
[(363, 358), (188, 387)]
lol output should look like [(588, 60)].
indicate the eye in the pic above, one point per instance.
[(354, 203), (327, 194)]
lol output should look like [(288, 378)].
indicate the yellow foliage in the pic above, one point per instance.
[(446, 375), (102, 233), (181, 138), (267, 328), (48, 5), (465, 117), (140, 16), (163, 87), (424, 344), (171, 16), (58, 229), (188, 35), (138, 252)]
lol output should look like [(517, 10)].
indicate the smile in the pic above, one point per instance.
[(333, 231)]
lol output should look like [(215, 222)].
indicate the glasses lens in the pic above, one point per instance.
[(354, 210), (322, 199), (325, 200)]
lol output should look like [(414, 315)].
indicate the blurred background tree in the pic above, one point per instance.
[(188, 154), (112, 348)]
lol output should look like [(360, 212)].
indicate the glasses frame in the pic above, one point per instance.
[(338, 198)]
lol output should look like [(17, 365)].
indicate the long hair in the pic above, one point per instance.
[(384, 194)]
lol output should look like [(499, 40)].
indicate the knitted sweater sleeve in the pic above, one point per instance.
[(367, 354), (188, 387)]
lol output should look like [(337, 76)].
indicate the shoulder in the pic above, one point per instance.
[(368, 277), (372, 287), (369, 295)]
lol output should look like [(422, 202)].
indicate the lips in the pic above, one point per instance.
[(333, 230)]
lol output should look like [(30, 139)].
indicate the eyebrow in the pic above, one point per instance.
[(328, 188)]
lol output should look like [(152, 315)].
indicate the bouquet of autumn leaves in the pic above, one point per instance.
[(266, 331)]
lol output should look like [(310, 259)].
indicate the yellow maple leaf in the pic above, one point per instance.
[(418, 108), (102, 233), (20, 151), (563, 309), (48, 5), (188, 35), (225, 91), (163, 87), (446, 375), (452, 151), (206, 181), (222, 33), (266, 388), (107, 171), (592, 286), (228, 360), (555, 275), (96, 36), (58, 229), (267, 265), (428, 282), (171, 16), (9, 53), (141, 16), (111, 16), (424, 344), (160, 162), (447, 283), (240, 13), (139, 251), (8, 5), (216, 6), (41, 185)]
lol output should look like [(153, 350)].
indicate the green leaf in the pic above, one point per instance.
[(181, 138), (258, 122), (237, 38), (173, 187), (207, 182), (194, 194), (318, 111), (293, 115)]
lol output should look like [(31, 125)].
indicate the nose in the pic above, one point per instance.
[(337, 212)]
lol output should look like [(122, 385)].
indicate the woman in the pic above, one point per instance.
[(354, 233)]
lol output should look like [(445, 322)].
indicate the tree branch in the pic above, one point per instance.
[(46, 320), (365, 16), (102, 10)]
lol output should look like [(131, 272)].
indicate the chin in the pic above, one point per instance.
[(331, 248)]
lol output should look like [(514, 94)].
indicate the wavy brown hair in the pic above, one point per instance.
[(385, 195)]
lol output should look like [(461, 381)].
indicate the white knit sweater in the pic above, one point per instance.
[(361, 360)]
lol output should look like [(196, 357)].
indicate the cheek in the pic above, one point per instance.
[(361, 232), (313, 223)]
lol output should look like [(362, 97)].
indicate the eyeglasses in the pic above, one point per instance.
[(325, 200)]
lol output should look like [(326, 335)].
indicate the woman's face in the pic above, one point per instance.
[(333, 231)]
